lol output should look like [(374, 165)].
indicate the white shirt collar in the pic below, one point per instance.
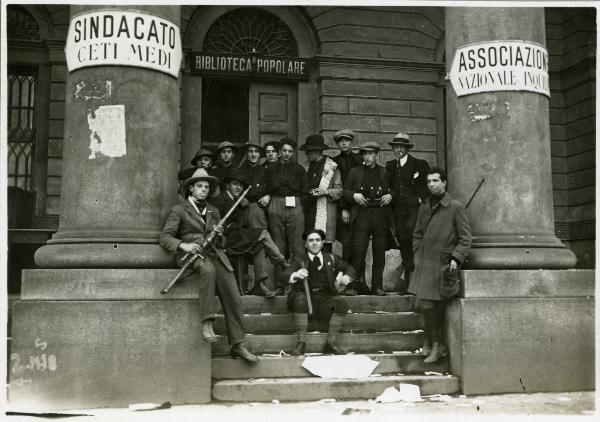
[(403, 160)]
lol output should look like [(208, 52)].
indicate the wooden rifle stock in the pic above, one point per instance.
[(207, 242)]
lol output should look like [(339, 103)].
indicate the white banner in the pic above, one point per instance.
[(500, 66), (115, 37)]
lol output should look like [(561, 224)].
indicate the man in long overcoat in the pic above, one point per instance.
[(442, 239), (187, 226)]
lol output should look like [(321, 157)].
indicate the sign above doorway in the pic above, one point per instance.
[(250, 65)]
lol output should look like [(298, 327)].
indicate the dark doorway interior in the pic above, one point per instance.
[(224, 111)]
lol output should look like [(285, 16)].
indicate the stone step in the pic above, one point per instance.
[(314, 388), (358, 304), (371, 322), (291, 366), (358, 343)]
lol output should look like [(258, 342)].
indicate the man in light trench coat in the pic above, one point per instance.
[(442, 238)]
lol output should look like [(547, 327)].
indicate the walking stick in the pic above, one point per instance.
[(474, 193), (207, 242)]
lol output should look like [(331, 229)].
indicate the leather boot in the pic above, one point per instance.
[(261, 289), (239, 350), (426, 347), (437, 351), (299, 349), (207, 332), (331, 349)]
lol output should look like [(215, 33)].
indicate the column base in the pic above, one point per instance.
[(523, 332), (103, 255), (520, 257)]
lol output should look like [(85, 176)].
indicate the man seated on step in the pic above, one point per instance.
[(244, 240), (188, 224), (327, 276)]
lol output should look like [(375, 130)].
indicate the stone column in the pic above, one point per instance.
[(114, 207), (512, 215)]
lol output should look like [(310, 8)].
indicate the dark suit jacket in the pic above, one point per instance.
[(353, 183), (184, 224), (333, 265), (344, 166), (418, 185)]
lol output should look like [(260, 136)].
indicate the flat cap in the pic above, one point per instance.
[(369, 146), (344, 133)]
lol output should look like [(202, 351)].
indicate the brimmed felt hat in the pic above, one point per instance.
[(369, 146), (253, 144), (201, 153), (314, 143), (237, 174), (344, 133), (401, 139), (450, 285), (225, 144), (200, 174)]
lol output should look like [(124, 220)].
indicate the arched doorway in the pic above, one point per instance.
[(259, 106)]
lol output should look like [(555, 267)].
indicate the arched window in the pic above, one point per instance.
[(250, 30)]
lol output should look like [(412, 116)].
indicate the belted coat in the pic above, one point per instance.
[(440, 234)]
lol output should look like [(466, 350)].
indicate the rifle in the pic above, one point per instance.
[(205, 245), (474, 193)]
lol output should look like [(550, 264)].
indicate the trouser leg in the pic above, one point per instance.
[(277, 230), (204, 272), (260, 265), (271, 249), (295, 229), (335, 325), (360, 244), (257, 218), (406, 250), (429, 314), (440, 312), (380, 232), (229, 295)]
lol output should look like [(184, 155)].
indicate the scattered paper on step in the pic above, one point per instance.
[(408, 393), (149, 406), (327, 401), (440, 397), (275, 401), (351, 411), (343, 366), (432, 373)]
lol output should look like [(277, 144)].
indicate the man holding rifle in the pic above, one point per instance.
[(317, 282), (187, 226)]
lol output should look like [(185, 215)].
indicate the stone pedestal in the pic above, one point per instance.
[(523, 331), (512, 216), (114, 205), (75, 346)]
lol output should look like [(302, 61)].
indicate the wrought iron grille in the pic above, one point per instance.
[(20, 24), (250, 30), (22, 82)]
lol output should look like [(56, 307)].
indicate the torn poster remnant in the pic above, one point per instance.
[(107, 131)]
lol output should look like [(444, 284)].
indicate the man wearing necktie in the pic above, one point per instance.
[(188, 224), (409, 188), (327, 276)]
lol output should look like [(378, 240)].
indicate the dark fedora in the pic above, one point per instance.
[(314, 143), (237, 174), (201, 153), (401, 139)]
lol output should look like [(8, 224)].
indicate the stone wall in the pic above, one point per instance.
[(571, 38), (379, 74)]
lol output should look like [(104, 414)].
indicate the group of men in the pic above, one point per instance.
[(293, 216)]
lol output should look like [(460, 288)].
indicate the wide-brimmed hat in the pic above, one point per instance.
[(237, 174), (201, 153), (314, 143), (369, 146), (200, 174), (344, 133), (401, 139), (225, 144), (253, 144)]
